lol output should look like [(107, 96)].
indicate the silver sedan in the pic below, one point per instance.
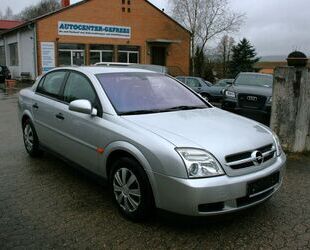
[(156, 142)]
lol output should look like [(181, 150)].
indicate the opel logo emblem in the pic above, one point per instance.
[(257, 157), (251, 98)]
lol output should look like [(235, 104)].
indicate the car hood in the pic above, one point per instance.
[(215, 130), (255, 90)]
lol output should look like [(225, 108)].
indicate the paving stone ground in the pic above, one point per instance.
[(44, 204)]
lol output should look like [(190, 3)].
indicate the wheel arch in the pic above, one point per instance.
[(120, 149), (25, 116)]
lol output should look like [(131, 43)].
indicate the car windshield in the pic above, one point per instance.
[(254, 80), (224, 82), (142, 93)]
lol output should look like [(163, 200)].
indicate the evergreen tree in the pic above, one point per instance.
[(199, 62), (243, 58), (208, 72)]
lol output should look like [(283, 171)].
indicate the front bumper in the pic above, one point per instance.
[(216, 195), (232, 105)]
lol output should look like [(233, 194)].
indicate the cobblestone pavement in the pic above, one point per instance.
[(45, 203)]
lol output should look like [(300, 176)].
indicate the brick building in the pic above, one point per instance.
[(130, 31)]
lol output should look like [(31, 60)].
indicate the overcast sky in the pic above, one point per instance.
[(275, 27)]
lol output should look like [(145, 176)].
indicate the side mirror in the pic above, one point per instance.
[(83, 106)]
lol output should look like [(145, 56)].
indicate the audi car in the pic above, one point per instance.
[(250, 92), (156, 142)]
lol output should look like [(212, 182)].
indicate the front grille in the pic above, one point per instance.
[(244, 159), (251, 101)]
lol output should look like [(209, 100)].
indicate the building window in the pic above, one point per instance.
[(101, 53), (71, 54), (13, 49), (128, 10), (128, 2), (2, 56), (128, 54), (123, 1)]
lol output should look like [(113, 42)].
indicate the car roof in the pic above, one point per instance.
[(105, 70), (196, 77), (253, 73)]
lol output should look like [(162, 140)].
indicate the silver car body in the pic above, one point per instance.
[(152, 139)]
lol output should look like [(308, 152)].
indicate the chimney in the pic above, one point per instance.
[(65, 3)]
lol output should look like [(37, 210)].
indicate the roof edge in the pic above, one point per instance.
[(44, 16), (165, 14), (83, 2)]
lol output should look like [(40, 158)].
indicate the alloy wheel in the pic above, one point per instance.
[(126, 189), (28, 137)]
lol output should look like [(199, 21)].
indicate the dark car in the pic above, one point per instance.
[(4, 73), (197, 84), (216, 90), (249, 92)]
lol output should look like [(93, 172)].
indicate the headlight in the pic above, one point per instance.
[(278, 144), (270, 100), (230, 94), (199, 163)]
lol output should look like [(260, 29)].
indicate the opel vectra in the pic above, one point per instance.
[(157, 143)]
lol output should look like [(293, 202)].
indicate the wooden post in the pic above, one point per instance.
[(290, 118)]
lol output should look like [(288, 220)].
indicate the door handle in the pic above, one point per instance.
[(60, 116), (35, 106)]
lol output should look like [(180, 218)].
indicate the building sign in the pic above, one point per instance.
[(47, 56), (94, 30)]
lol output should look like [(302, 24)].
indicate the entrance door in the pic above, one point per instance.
[(77, 57), (159, 55)]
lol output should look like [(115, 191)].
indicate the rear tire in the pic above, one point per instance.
[(131, 189), (31, 140)]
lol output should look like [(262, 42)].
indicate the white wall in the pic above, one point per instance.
[(25, 43), (26, 50)]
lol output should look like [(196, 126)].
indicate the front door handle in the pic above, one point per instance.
[(60, 116), (35, 106)]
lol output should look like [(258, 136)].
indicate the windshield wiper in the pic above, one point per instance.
[(139, 112), (152, 111), (183, 108)]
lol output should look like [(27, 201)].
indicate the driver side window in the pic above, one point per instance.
[(78, 87)]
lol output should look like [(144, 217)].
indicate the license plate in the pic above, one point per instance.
[(262, 184)]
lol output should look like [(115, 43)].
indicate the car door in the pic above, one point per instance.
[(44, 108), (80, 141)]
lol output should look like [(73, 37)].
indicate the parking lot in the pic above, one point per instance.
[(44, 203)]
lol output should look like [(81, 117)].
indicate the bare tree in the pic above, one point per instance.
[(8, 14), (43, 7), (225, 51), (205, 19)]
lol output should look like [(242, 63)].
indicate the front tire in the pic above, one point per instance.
[(131, 189), (31, 140)]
